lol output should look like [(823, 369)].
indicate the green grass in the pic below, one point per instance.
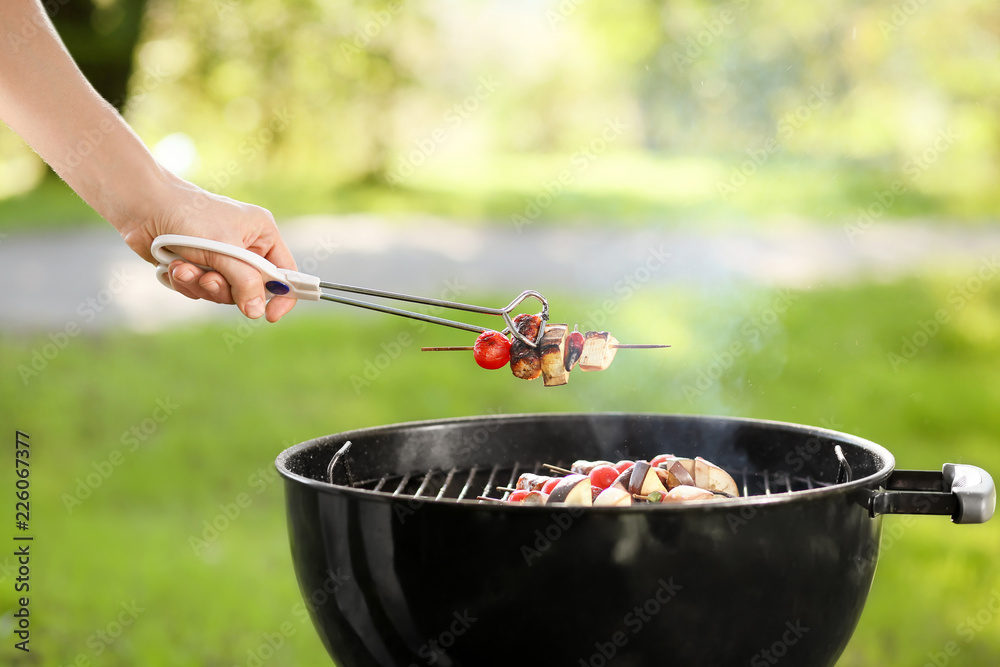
[(240, 395), (631, 189), (52, 205)]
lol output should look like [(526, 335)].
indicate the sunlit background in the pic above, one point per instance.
[(800, 198)]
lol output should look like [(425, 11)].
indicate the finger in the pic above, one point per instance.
[(216, 287), (195, 282), (246, 285), (184, 278), (280, 255), (278, 307), (183, 273)]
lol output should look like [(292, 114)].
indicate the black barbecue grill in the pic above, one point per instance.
[(426, 573)]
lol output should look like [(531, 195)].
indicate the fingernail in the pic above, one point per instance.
[(212, 287), (184, 274), (255, 308)]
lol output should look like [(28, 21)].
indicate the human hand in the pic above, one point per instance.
[(179, 207)]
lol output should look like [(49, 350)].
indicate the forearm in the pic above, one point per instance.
[(47, 101)]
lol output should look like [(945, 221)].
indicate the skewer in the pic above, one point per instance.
[(557, 469), (494, 500), (506, 488), (468, 348)]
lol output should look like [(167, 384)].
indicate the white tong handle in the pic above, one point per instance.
[(278, 282)]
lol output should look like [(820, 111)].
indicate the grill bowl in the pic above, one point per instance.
[(403, 580)]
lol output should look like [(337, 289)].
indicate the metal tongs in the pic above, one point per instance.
[(297, 285)]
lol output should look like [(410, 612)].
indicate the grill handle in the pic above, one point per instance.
[(964, 492)]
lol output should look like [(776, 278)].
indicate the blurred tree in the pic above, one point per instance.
[(338, 91), (307, 88), (102, 36)]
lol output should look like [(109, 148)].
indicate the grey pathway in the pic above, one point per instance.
[(90, 279)]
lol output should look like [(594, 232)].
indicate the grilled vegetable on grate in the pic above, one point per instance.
[(600, 483)]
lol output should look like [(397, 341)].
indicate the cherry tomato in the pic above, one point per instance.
[(492, 350), (517, 496), (551, 484), (657, 460), (602, 477), (622, 466)]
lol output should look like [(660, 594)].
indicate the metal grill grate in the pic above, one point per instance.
[(458, 484), (466, 484)]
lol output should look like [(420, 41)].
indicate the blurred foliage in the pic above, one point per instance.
[(323, 94)]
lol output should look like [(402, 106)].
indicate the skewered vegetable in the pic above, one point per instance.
[(644, 480), (526, 361), (599, 349), (573, 490), (492, 350), (604, 484), (574, 349), (553, 350)]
